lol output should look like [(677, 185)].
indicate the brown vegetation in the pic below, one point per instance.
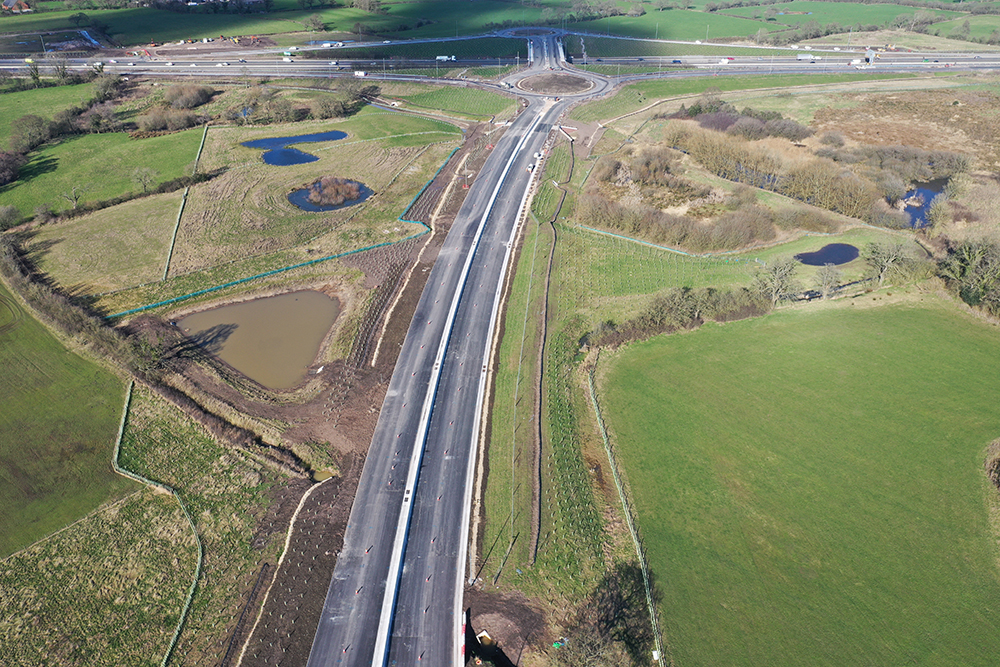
[(333, 191), (992, 463)]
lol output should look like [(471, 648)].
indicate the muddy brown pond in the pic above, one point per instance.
[(271, 340)]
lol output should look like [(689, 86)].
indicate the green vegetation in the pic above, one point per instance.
[(57, 431), (110, 249), (610, 47), (486, 48), (98, 166), (845, 13), (43, 102), (786, 498), (638, 95), (469, 102), (227, 495), (678, 24), (107, 590)]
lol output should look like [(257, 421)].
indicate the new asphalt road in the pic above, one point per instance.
[(396, 593)]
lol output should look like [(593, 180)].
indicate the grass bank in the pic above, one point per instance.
[(810, 483)]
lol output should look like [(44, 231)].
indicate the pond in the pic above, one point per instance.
[(917, 202), (300, 198), (271, 340), (276, 151), (831, 253)]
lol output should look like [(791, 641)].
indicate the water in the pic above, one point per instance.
[(300, 198), (831, 253), (272, 340), (918, 200), (276, 151)]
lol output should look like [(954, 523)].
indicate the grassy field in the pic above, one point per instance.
[(679, 24), (43, 102), (246, 211), (844, 13), (810, 483), (979, 27), (57, 430), (902, 39), (638, 95), (107, 591), (117, 247), (100, 165), (611, 47), (227, 494), (468, 102)]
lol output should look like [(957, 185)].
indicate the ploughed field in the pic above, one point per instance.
[(810, 487)]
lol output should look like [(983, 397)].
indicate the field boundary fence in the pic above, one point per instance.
[(194, 529), (626, 510)]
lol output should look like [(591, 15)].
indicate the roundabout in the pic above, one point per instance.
[(555, 83)]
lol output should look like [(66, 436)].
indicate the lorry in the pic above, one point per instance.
[(445, 58), (811, 57), (360, 74)]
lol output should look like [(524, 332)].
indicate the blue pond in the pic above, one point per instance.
[(831, 253), (276, 151), (918, 200), (300, 198)]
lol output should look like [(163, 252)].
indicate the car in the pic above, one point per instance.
[(193, 65), (641, 59), (730, 58), (242, 60), (113, 62), (170, 65), (600, 60), (676, 62), (131, 64), (387, 41), (293, 48)]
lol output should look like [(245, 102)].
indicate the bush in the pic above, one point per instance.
[(326, 107), (606, 169), (10, 166), (333, 191), (187, 96), (9, 216), (167, 119), (29, 133)]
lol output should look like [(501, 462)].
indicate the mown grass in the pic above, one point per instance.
[(486, 48), (44, 102), (57, 431), (100, 166), (610, 47), (106, 591), (844, 13), (226, 494), (979, 27), (469, 102), (638, 95), (810, 483), (678, 24), (117, 247)]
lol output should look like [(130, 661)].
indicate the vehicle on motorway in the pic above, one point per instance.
[(170, 64), (360, 74), (293, 48), (287, 60), (29, 60), (387, 41), (676, 62), (445, 58), (808, 56)]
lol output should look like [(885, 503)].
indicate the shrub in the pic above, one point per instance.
[(10, 166), (166, 119), (333, 191), (9, 216), (187, 96)]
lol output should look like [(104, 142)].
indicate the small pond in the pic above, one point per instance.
[(300, 198), (918, 201), (831, 253), (276, 151), (271, 340)]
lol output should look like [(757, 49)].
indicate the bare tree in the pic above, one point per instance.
[(885, 259), (33, 73), (776, 281), (144, 177), (827, 279), (74, 195)]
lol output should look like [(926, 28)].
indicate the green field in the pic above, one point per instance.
[(110, 249), (612, 47), (809, 485), (43, 102), (471, 102), (57, 431), (638, 95), (845, 13), (100, 165), (679, 24), (464, 49)]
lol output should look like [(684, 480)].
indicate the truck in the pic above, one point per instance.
[(360, 74), (811, 57), (445, 58)]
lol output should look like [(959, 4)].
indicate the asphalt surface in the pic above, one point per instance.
[(387, 604)]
